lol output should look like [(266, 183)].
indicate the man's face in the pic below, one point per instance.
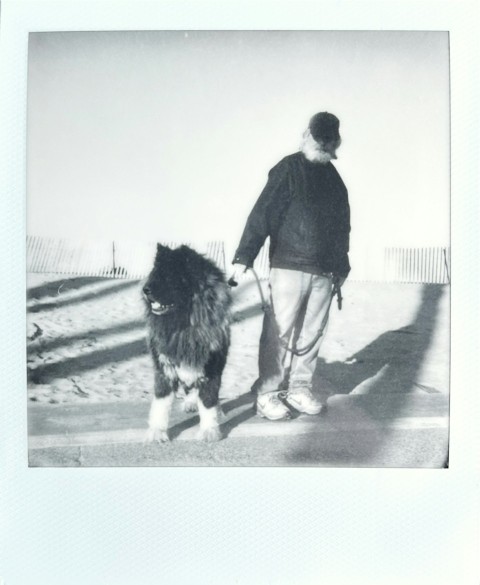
[(322, 151), (330, 147)]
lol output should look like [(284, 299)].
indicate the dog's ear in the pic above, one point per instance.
[(162, 251)]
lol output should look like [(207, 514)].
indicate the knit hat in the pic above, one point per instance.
[(324, 126)]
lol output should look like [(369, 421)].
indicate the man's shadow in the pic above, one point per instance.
[(389, 365)]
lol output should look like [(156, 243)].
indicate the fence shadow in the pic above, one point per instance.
[(41, 345), (68, 283), (83, 297), (45, 373), (247, 313)]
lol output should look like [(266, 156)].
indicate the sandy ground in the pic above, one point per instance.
[(86, 341)]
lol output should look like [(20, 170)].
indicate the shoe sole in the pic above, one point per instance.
[(310, 412), (286, 416)]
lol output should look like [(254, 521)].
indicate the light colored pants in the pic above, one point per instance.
[(300, 303)]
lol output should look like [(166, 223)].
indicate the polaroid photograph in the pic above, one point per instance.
[(239, 293), (232, 257)]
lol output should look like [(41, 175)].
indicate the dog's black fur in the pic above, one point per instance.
[(188, 320)]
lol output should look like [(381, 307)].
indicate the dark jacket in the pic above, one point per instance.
[(304, 209)]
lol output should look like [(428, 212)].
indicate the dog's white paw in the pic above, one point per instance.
[(156, 435), (210, 434)]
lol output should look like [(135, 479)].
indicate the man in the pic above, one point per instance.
[(304, 210)]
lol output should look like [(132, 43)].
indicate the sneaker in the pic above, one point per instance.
[(270, 406), (302, 400)]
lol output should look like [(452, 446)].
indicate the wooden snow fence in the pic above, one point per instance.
[(123, 259), (117, 259), (419, 265)]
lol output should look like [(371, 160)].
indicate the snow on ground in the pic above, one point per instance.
[(86, 340)]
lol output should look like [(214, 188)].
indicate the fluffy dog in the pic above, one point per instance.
[(188, 320)]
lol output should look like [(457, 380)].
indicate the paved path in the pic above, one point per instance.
[(390, 430)]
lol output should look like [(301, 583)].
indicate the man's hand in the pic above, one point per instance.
[(238, 270)]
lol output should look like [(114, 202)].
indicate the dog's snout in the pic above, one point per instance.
[(146, 290)]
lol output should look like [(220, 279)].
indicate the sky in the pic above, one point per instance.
[(169, 135)]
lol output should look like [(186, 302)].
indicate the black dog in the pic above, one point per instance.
[(188, 317)]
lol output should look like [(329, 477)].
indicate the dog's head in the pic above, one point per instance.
[(167, 288)]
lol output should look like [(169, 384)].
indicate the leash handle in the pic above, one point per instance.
[(337, 290)]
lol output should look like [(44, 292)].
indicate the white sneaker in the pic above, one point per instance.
[(302, 400), (270, 406)]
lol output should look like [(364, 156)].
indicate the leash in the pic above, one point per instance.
[(266, 308)]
